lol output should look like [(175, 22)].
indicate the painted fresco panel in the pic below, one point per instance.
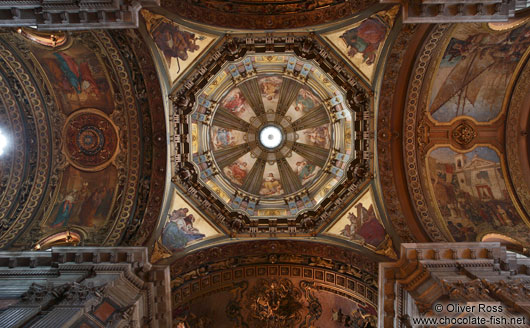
[(303, 169), (184, 226), (362, 42), (362, 225), (271, 185), (262, 306), (475, 70), (237, 171), (80, 77), (471, 195), (318, 136), (179, 46), (235, 103), (226, 138), (270, 91), (304, 102), (84, 199)]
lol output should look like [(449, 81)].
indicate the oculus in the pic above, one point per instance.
[(270, 137)]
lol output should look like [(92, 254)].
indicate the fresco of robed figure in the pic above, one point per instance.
[(178, 45), (82, 82), (183, 226), (361, 224), (362, 42), (84, 198)]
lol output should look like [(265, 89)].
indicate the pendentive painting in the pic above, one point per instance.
[(79, 75), (179, 46), (362, 42), (84, 199), (184, 226), (475, 70), (471, 195), (361, 224)]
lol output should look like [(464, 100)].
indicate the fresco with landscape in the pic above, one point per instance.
[(475, 70), (178, 45), (183, 226), (361, 43), (471, 194)]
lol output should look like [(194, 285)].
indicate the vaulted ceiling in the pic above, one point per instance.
[(387, 133)]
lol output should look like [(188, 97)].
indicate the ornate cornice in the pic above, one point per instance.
[(265, 15), (517, 141), (389, 133)]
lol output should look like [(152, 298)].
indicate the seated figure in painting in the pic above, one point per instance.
[(365, 39), (175, 43), (364, 227), (235, 103), (237, 171), (305, 101), (224, 138), (179, 230), (270, 87), (271, 185), (305, 171), (317, 136)]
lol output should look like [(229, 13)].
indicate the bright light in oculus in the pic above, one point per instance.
[(270, 137), (3, 142)]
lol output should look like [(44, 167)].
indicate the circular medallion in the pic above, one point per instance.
[(91, 140)]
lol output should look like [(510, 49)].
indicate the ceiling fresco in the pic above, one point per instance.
[(275, 284), (231, 175), (472, 57), (184, 226), (270, 157), (457, 137), (178, 45), (245, 100), (362, 42), (361, 223), (82, 157)]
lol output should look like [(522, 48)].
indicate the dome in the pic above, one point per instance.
[(270, 133)]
